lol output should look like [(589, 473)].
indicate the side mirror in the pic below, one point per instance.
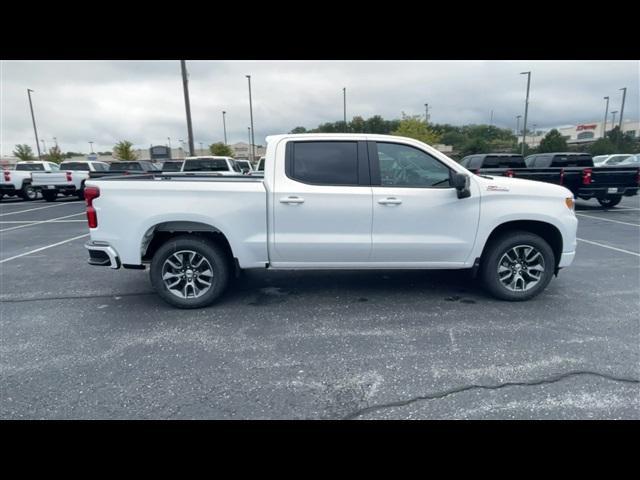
[(461, 182)]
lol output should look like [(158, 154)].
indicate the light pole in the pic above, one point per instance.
[(613, 117), (187, 104), (91, 145), (491, 120), (518, 117), (606, 112), (344, 107), (169, 140), (33, 118), (624, 94), (201, 148), (55, 140), (253, 152), (426, 114), (249, 137), (535, 134), (224, 126), (526, 110)]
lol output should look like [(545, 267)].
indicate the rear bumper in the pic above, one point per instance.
[(566, 259), (60, 188), (7, 189), (102, 254)]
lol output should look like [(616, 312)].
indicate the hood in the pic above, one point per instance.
[(502, 185)]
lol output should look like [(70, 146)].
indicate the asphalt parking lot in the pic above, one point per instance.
[(87, 342)]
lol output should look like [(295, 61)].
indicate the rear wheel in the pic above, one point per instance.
[(610, 201), (190, 271), (517, 266), (80, 193), (49, 195), (28, 192)]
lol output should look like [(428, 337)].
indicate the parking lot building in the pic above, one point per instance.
[(584, 133)]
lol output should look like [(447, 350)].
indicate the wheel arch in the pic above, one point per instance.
[(549, 232)]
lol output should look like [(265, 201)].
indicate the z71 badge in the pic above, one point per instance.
[(496, 188)]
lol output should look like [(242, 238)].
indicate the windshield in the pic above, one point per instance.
[(32, 167), (206, 165), (74, 166), (600, 159), (118, 166), (617, 159)]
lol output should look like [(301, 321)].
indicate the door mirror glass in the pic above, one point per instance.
[(460, 182)]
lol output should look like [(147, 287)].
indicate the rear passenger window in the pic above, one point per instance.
[(475, 163), (324, 163), (542, 161)]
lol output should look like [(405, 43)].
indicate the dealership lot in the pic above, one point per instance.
[(78, 341)]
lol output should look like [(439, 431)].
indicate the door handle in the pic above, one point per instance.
[(390, 201), (292, 199)]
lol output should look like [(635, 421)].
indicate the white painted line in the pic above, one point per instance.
[(41, 221), (39, 208), (622, 208), (43, 248), (609, 247), (608, 220), (2, 222)]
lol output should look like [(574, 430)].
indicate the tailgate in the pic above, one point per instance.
[(614, 176), (48, 178)]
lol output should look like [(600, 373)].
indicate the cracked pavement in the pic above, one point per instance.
[(90, 343)]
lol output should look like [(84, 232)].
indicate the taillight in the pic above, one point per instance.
[(90, 193), (586, 176), (7, 176), (562, 176), (68, 176), (508, 173)]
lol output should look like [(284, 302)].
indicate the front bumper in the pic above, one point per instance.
[(102, 254), (566, 259)]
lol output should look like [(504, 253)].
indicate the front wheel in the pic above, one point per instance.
[(610, 201), (189, 271), (50, 195), (517, 266)]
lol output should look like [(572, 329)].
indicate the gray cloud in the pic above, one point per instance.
[(142, 101)]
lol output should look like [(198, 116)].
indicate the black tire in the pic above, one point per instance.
[(216, 257), (495, 252), (610, 201), (80, 193), (50, 195), (28, 193)]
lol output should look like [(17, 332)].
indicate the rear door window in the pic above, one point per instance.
[(323, 163), (542, 161)]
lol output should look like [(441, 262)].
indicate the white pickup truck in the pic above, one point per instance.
[(69, 180), (17, 182), (333, 201)]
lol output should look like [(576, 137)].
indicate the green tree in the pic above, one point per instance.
[(299, 130), (602, 146), (623, 142), (23, 152), (552, 142), (123, 150), (475, 145), (414, 127), (220, 149), (55, 155)]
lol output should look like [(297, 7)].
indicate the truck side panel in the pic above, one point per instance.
[(127, 210)]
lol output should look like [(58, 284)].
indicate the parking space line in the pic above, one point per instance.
[(609, 247), (44, 248), (39, 208), (608, 220), (41, 221)]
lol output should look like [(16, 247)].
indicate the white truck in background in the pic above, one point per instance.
[(18, 182), (333, 201), (68, 180)]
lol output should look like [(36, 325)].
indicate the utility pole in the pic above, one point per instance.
[(44, 145), (526, 109), (624, 95), (253, 140), (344, 107), (187, 105), (606, 112), (224, 126), (33, 118), (518, 117), (426, 114)]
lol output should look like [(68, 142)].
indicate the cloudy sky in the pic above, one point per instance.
[(142, 101)]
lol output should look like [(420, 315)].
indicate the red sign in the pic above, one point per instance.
[(586, 127)]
